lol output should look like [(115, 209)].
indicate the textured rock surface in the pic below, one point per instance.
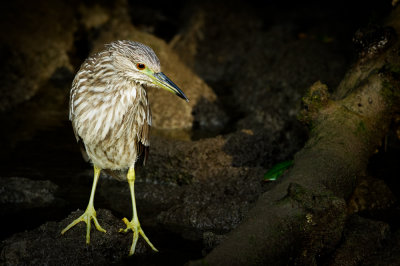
[(357, 246), (32, 49), (242, 62), (45, 245), (22, 193)]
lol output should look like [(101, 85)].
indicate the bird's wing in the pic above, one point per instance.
[(71, 117), (82, 147), (144, 137)]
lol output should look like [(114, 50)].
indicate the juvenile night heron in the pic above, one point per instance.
[(111, 117)]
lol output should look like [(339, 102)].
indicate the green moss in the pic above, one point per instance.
[(313, 102)]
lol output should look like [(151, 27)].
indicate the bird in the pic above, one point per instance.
[(111, 118)]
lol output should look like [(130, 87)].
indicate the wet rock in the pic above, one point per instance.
[(36, 40), (361, 238), (46, 246), (18, 193)]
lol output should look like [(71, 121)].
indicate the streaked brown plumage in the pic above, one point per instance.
[(111, 116)]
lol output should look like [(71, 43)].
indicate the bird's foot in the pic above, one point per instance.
[(134, 225), (86, 217)]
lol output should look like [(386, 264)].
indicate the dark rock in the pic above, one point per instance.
[(185, 162), (371, 196), (257, 65), (211, 240), (361, 238), (45, 245), (373, 39), (388, 254), (261, 147), (208, 117), (22, 197), (151, 198), (18, 193), (217, 205), (35, 42), (325, 219)]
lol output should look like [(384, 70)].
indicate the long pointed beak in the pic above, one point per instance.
[(164, 82)]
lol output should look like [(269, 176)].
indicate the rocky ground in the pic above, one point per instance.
[(244, 68)]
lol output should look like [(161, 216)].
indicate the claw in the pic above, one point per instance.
[(137, 230), (86, 217)]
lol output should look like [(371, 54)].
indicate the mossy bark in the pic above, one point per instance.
[(302, 218)]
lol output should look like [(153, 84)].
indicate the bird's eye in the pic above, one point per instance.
[(140, 66)]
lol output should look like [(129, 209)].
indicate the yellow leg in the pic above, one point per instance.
[(90, 212), (134, 224)]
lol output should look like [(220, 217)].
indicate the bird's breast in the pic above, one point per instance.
[(112, 128)]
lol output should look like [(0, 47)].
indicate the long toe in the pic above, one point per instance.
[(137, 230), (86, 217)]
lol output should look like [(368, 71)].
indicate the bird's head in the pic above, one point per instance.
[(138, 63)]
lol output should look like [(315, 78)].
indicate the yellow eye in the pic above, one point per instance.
[(140, 66)]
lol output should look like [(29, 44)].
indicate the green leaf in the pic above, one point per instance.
[(277, 170)]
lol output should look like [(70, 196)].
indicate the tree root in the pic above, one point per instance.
[(303, 216)]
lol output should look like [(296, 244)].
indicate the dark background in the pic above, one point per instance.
[(258, 59)]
